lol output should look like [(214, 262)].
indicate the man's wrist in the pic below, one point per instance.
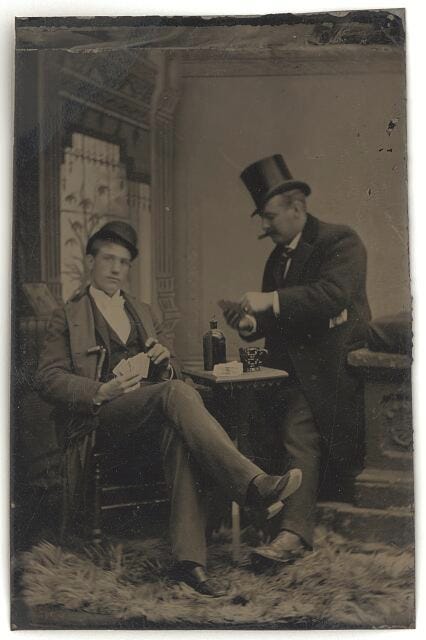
[(96, 404), (98, 399)]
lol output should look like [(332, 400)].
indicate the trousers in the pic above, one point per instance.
[(193, 445), (301, 440), (284, 435)]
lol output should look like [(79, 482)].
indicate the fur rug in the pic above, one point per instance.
[(342, 582)]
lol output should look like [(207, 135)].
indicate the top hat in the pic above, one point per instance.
[(267, 177), (116, 230)]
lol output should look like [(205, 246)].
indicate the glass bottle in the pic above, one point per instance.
[(214, 346)]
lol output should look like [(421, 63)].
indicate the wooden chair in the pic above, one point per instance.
[(100, 481), (112, 493), (111, 480)]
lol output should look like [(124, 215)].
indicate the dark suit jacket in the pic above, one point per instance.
[(66, 375), (324, 314)]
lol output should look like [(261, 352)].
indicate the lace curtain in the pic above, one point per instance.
[(94, 188)]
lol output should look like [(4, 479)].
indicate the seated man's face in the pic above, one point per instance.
[(110, 267)]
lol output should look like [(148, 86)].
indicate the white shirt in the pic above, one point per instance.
[(275, 299), (112, 309)]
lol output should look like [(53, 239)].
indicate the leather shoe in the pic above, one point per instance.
[(285, 549), (266, 493), (195, 581)]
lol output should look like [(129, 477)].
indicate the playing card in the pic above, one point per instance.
[(228, 305), (117, 369), (139, 365), (122, 368)]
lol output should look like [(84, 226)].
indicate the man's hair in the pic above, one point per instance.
[(292, 196), (100, 242)]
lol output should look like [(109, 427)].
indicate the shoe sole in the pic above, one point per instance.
[(289, 559), (293, 483), (191, 591)]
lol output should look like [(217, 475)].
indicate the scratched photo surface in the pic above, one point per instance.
[(211, 421)]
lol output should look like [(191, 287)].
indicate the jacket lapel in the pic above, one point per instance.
[(303, 252), (101, 325), (142, 321)]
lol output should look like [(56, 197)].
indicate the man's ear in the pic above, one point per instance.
[(295, 210), (298, 209)]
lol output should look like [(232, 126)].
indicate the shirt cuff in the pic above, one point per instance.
[(276, 304), (96, 407), (247, 332)]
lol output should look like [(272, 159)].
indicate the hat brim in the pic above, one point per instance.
[(288, 185), (112, 235)]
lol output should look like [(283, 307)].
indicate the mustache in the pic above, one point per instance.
[(263, 236)]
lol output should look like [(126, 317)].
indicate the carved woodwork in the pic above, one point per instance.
[(104, 95), (162, 196), (49, 168), (398, 423)]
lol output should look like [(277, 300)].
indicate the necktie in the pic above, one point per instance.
[(280, 272)]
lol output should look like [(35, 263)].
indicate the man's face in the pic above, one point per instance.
[(110, 267), (280, 220)]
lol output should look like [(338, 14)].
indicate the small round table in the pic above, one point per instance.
[(236, 393)]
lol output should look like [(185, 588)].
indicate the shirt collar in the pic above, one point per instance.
[(293, 244), (104, 299)]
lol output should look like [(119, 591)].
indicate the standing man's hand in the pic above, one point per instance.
[(232, 317), (255, 302), (245, 324), (116, 387)]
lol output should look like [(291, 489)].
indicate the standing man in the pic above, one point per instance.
[(312, 311), (103, 318)]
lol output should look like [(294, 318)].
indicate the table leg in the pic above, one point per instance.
[(242, 428), (236, 532), (235, 524)]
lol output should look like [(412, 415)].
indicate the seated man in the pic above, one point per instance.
[(193, 443)]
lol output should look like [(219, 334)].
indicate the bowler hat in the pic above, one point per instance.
[(267, 177), (116, 230)]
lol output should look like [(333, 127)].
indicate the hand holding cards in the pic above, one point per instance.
[(137, 365), (229, 306), (124, 381), (232, 312), (131, 371)]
